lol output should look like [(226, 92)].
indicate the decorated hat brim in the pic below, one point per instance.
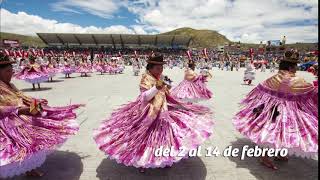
[(156, 62), (291, 60), (7, 62)]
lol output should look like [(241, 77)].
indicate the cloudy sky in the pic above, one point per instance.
[(239, 20)]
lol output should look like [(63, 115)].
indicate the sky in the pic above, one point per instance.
[(249, 21)]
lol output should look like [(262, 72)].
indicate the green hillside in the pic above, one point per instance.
[(34, 41), (201, 38)]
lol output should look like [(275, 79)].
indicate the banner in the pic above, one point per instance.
[(275, 42), (11, 43)]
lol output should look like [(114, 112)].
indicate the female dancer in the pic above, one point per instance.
[(84, 68), (136, 66), (193, 87), (101, 66), (51, 69), (282, 112), (29, 128), (154, 120), (67, 68), (249, 74), (33, 73)]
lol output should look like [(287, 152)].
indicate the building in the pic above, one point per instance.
[(116, 41)]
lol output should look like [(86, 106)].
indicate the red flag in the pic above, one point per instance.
[(189, 55), (65, 54), (33, 52), (42, 52), (14, 53), (205, 54), (7, 52), (11, 53), (25, 54), (30, 51), (19, 53)]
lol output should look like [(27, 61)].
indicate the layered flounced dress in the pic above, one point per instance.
[(51, 70), (155, 119), (249, 73), (33, 73), (101, 67), (25, 141), (84, 68), (281, 112), (193, 88), (67, 69)]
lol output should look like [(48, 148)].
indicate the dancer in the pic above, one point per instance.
[(193, 87), (120, 65), (67, 69), (237, 64), (33, 73), (282, 112), (101, 66), (84, 69), (133, 133), (29, 128), (136, 67), (263, 66), (112, 67), (51, 69), (249, 74), (272, 66)]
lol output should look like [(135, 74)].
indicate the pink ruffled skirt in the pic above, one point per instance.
[(26, 141), (192, 91), (130, 137), (280, 120)]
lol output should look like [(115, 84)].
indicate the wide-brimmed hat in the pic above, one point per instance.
[(191, 62), (4, 59), (291, 56), (157, 59)]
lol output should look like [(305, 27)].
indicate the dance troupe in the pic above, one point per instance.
[(281, 112), (36, 73)]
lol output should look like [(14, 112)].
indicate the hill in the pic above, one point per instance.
[(34, 41), (201, 38)]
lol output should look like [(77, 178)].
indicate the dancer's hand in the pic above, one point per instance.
[(24, 111), (159, 85), (43, 101)]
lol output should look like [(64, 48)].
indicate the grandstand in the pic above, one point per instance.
[(116, 41)]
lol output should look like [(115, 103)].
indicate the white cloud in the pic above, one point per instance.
[(23, 23), (245, 20), (101, 8), (139, 29)]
